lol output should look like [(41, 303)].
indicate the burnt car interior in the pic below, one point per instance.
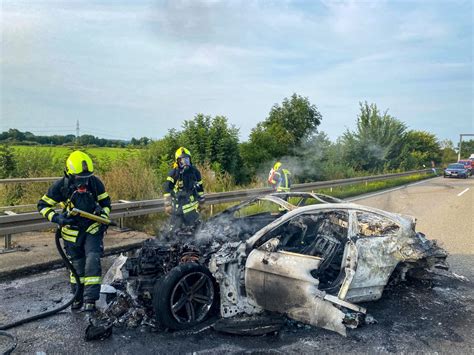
[(322, 235)]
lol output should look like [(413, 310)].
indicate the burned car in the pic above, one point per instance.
[(308, 256)]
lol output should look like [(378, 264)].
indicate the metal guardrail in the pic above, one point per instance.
[(31, 221), (28, 180)]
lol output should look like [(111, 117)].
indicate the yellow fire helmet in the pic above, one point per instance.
[(276, 166), (180, 152), (79, 163)]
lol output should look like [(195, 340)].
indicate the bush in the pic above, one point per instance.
[(7, 162), (38, 162), (131, 179), (215, 181)]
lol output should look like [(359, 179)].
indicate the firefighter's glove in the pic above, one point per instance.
[(99, 211), (61, 219)]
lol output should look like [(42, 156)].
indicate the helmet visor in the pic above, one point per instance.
[(184, 161), (80, 181)]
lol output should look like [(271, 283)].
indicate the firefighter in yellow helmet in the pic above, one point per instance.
[(184, 191), (83, 238), (279, 178)]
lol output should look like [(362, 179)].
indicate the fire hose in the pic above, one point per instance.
[(73, 212)]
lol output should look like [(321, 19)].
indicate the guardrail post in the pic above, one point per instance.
[(121, 223), (8, 241), (212, 210)]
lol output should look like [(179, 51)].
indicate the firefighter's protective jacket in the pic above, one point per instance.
[(280, 179), (66, 193), (183, 187)]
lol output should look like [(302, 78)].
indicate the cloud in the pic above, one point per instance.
[(160, 62)]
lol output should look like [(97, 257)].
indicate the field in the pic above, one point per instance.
[(60, 152), (126, 175)]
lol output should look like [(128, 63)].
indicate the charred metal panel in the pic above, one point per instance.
[(283, 275), (227, 266), (320, 313), (378, 238), (377, 258), (349, 265), (289, 288)]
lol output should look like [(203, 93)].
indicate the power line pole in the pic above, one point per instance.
[(77, 131)]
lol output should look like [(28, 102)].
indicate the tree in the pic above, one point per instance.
[(212, 140), (195, 137), (162, 150), (448, 154), (287, 126), (376, 143), (467, 148), (16, 135), (28, 138), (224, 146), (420, 149)]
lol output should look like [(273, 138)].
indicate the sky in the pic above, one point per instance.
[(128, 69)]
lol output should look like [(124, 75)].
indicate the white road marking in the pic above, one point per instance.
[(459, 194), (386, 191)]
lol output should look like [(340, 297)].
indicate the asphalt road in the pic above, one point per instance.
[(426, 317)]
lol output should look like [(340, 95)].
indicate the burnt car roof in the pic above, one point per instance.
[(280, 198), (308, 195)]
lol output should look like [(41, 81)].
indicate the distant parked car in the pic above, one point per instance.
[(456, 170), (468, 164)]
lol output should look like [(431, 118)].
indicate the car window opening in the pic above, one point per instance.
[(322, 235)]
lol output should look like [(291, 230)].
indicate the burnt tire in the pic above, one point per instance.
[(185, 297)]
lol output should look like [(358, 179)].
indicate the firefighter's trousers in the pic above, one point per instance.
[(185, 212), (84, 247)]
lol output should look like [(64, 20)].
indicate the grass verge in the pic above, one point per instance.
[(372, 186)]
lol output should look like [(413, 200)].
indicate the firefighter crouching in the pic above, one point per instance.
[(83, 238), (183, 191), (279, 178)]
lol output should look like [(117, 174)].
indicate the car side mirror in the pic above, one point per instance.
[(270, 245)]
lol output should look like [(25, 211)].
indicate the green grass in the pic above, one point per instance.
[(363, 188), (100, 153)]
